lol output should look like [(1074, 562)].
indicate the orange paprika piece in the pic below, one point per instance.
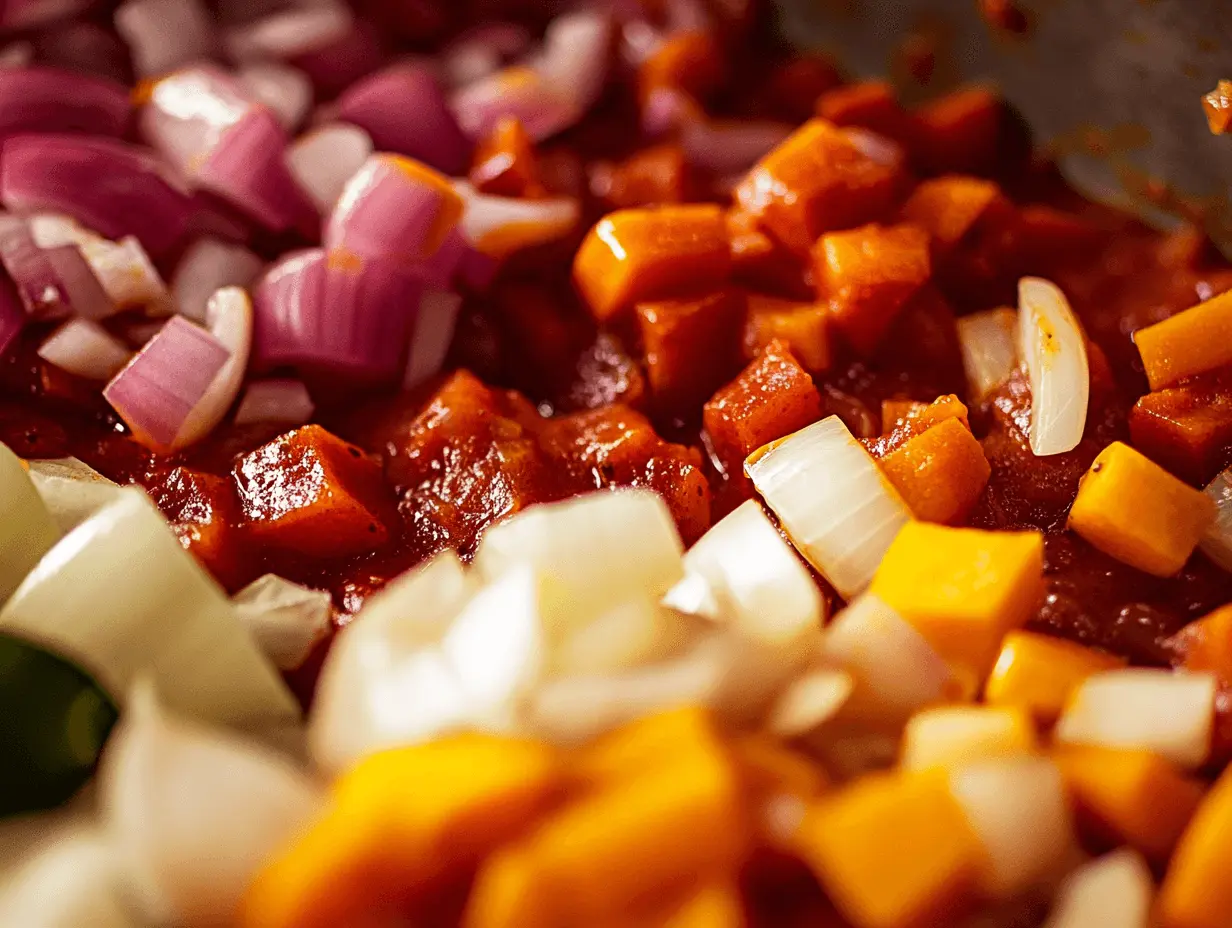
[(948, 207), (310, 492), (205, 514), (644, 254), (690, 60), (868, 275), (504, 162), (869, 105), (940, 473), (1186, 428), (1191, 342), (649, 176), (961, 132), (691, 347), (821, 178), (803, 327), (895, 412)]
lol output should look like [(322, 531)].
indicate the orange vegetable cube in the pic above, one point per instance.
[(868, 104), (690, 60), (1206, 645), (649, 176), (644, 254), (310, 492), (868, 275), (964, 589), (1129, 797), (204, 514), (628, 750), (1039, 673), (822, 178), (949, 736), (894, 412), (509, 892), (504, 162), (803, 327), (893, 851), (1191, 342), (1197, 893), (948, 207), (716, 906), (960, 132), (940, 473), (916, 419), (402, 820), (692, 347), (1132, 509), (1187, 427)]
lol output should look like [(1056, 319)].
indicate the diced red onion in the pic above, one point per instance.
[(207, 266), (434, 328), (499, 226), (128, 275), (26, 14), (12, 316), (393, 208), (158, 389), (85, 47), (729, 147), (284, 89), (576, 52), (114, 188), (16, 55), (165, 34), (39, 99), (323, 160), (482, 50), (379, 105), (52, 282), (282, 401), (337, 313), (335, 66), (229, 318), (86, 349), (665, 109), (291, 32), (188, 111)]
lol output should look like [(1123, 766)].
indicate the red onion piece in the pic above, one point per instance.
[(229, 319), (165, 34), (207, 266), (284, 89), (290, 33), (87, 48), (187, 113), (12, 316), (26, 14), (334, 67), (128, 275), (731, 147), (16, 55), (86, 349), (576, 53), (51, 282), (434, 328), (114, 188), (500, 226), (393, 208), (323, 160), (159, 387), (281, 401), (478, 52), (40, 99), (380, 104), (335, 313)]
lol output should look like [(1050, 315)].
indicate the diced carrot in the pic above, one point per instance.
[(1129, 797), (400, 821), (1039, 673), (961, 132), (204, 513), (691, 347), (761, 262), (868, 275), (819, 179), (869, 105), (774, 396), (917, 420), (803, 327), (689, 60), (310, 492), (1186, 428), (940, 473), (964, 589), (948, 207), (893, 851), (1196, 892), (895, 412), (645, 254), (1191, 342), (1132, 509), (627, 751), (504, 162), (650, 176), (949, 736)]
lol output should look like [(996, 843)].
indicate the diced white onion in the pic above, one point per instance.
[(323, 160), (1217, 542), (287, 91), (72, 490), (989, 343), (229, 318), (434, 327), (946, 736), (896, 671), (1019, 809), (285, 618), (1113, 891), (1169, 713), (120, 597), (810, 701), (833, 501), (635, 631), (85, 348), (27, 528), (1055, 350), (207, 266)]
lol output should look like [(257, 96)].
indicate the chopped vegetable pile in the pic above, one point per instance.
[(523, 465)]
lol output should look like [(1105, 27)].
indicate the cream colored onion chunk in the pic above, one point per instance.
[(72, 490), (989, 343), (119, 596), (1169, 713), (27, 528), (286, 619), (193, 813), (1113, 891), (833, 501), (1217, 542), (1054, 348)]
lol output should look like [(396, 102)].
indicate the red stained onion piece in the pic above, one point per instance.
[(482, 50), (229, 319), (86, 349), (280, 401), (499, 226), (730, 147), (393, 208), (207, 266), (165, 34), (158, 389), (335, 313), (434, 328), (114, 188), (42, 99), (87, 48), (26, 14), (16, 55), (51, 282), (382, 105), (188, 113), (323, 160), (284, 89)]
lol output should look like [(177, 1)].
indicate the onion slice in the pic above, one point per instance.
[(52, 282), (286, 619), (229, 318), (165, 34), (41, 99), (281, 401), (207, 266), (86, 349), (1055, 350), (72, 490), (832, 499), (284, 89), (323, 160), (1113, 891), (499, 226), (27, 528), (1217, 542), (989, 343)]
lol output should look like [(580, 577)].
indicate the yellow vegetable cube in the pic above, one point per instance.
[(717, 906), (509, 892), (962, 588), (1039, 673), (655, 739), (1197, 893), (1188, 343), (1132, 509), (893, 851), (946, 736)]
